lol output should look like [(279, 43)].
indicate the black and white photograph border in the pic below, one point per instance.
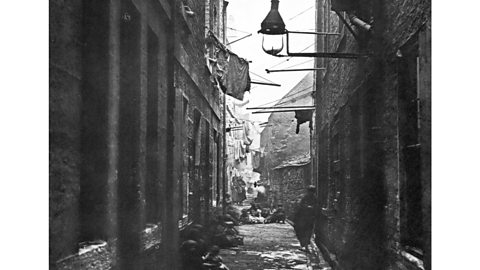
[(26, 53)]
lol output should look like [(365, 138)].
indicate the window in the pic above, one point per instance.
[(93, 204), (194, 163), (410, 159)]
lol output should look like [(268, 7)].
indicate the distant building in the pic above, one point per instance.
[(280, 142), (289, 180)]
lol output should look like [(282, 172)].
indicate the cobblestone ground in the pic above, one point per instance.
[(270, 246)]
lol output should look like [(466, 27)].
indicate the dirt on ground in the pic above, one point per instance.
[(270, 246)]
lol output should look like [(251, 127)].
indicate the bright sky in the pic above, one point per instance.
[(246, 16)]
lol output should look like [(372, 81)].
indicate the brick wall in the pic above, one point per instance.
[(359, 159), (288, 184), (65, 71), (125, 80), (279, 139)]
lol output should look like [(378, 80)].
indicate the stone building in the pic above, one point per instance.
[(373, 135), (279, 139), (136, 129), (289, 181)]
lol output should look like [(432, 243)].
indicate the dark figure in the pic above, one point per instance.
[(213, 261), (228, 199), (254, 210), (266, 212), (304, 218), (278, 215), (191, 255), (197, 233), (242, 196)]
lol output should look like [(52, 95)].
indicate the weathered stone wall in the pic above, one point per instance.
[(288, 185), (65, 113), (358, 149), (126, 78), (279, 138)]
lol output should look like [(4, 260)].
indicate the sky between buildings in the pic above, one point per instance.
[(245, 16)]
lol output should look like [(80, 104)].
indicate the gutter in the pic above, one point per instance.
[(322, 252), (329, 257)]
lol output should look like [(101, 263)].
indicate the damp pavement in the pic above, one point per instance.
[(271, 246)]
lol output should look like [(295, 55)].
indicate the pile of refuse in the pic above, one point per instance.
[(200, 246), (257, 215)]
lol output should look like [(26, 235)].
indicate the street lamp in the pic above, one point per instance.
[(275, 35), (273, 30)]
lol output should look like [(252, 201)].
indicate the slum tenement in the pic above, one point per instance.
[(373, 135), (136, 128)]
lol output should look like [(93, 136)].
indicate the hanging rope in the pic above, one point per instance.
[(301, 13), (288, 59), (289, 97), (299, 64), (261, 77)]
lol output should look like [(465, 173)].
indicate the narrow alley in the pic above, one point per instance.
[(271, 246), (176, 145)]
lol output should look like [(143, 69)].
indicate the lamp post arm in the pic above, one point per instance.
[(298, 69), (314, 33)]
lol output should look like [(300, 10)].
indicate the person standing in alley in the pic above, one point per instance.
[(304, 218)]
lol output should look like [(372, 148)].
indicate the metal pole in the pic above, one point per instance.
[(298, 69), (264, 83), (325, 55), (283, 107), (224, 176), (239, 39), (284, 111), (315, 33)]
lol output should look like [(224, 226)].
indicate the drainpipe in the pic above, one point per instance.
[(224, 176), (358, 22)]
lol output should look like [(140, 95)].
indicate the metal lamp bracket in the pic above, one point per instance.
[(319, 54)]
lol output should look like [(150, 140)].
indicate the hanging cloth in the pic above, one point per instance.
[(237, 79), (247, 136), (232, 72), (303, 116), (255, 159)]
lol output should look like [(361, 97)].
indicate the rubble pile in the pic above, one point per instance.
[(257, 215), (200, 247)]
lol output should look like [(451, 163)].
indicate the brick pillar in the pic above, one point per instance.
[(170, 241), (131, 160)]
